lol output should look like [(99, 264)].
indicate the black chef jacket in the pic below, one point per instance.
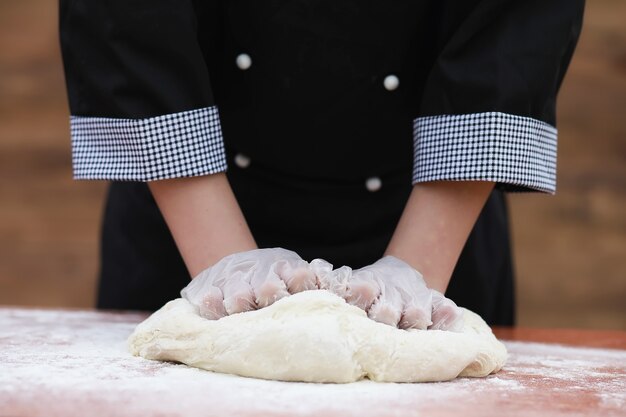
[(325, 113)]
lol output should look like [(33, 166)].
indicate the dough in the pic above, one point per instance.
[(315, 336)]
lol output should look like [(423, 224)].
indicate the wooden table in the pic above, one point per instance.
[(75, 363)]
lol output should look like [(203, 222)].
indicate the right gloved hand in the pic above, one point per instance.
[(390, 291), (248, 281)]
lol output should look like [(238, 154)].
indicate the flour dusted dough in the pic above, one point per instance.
[(315, 336)]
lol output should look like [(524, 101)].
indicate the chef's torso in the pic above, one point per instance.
[(322, 90)]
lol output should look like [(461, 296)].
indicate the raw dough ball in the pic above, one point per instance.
[(315, 336)]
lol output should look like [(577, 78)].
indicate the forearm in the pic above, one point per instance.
[(434, 227), (204, 218)]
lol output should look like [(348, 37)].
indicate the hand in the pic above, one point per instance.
[(247, 281), (391, 292)]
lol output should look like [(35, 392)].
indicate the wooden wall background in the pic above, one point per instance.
[(570, 249)]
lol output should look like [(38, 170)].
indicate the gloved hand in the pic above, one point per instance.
[(391, 292), (248, 281)]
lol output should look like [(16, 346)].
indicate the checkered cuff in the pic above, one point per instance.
[(184, 144), (519, 153)]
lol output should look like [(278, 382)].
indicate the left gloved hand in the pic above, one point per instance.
[(247, 281)]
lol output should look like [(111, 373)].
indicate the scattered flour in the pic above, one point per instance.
[(75, 364)]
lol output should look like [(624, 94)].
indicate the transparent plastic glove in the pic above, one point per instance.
[(390, 291), (247, 281), (446, 315), (335, 281)]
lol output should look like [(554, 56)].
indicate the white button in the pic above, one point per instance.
[(373, 184), (242, 161), (391, 82), (244, 61)]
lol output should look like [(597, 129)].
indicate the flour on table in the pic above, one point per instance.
[(315, 336)]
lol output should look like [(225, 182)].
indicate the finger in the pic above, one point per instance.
[(415, 317), (195, 290), (417, 311), (211, 306), (267, 286), (238, 293), (362, 290), (387, 308), (335, 281), (297, 277), (446, 315), (321, 268)]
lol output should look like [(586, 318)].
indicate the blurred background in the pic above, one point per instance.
[(570, 249)]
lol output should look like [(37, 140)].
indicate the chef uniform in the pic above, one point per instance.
[(325, 113)]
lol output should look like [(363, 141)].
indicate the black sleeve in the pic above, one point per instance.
[(139, 90), (488, 108)]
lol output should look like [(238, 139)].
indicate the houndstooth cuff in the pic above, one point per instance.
[(517, 152), (174, 145)]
